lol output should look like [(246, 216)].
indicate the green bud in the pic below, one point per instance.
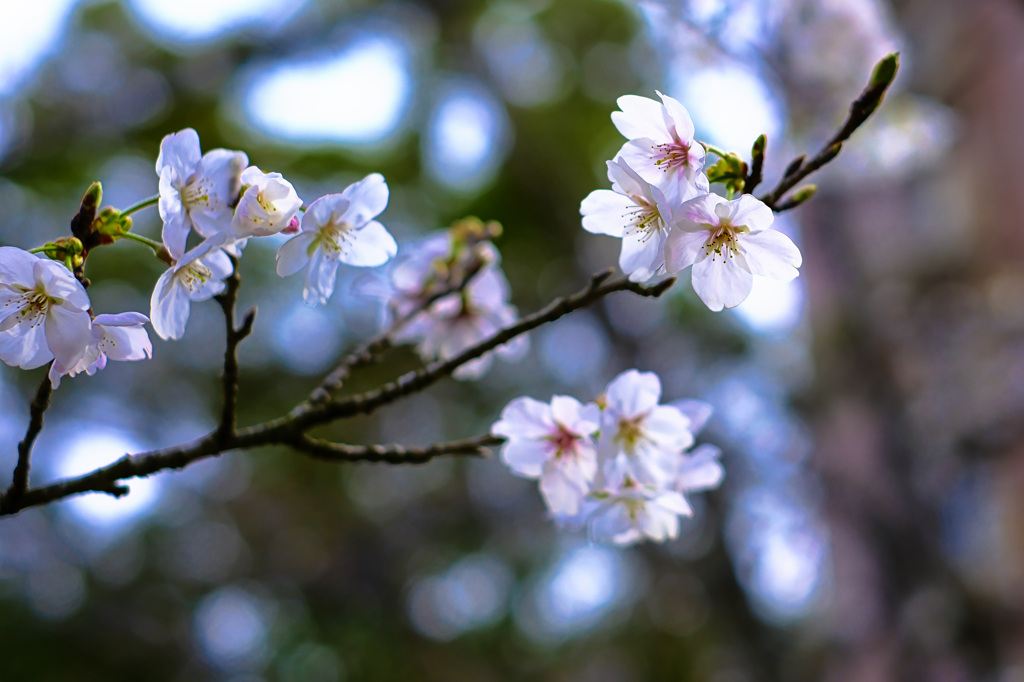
[(884, 72), (110, 223), (803, 194), (93, 196), (757, 151)]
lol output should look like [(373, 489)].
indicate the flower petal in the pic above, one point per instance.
[(367, 199), (293, 255), (772, 254), (683, 249), (605, 211), (640, 117), (372, 245), (68, 333), (179, 151), (722, 284)]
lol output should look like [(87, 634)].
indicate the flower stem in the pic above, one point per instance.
[(156, 246), (713, 149), (145, 203), (38, 249)]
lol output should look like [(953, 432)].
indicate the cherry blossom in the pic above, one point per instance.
[(639, 213), (640, 439), (43, 311), (196, 190), (196, 276), (114, 337), (727, 243), (552, 442), (267, 205), (631, 511), (661, 144), (339, 228)]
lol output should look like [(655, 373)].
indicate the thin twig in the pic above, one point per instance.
[(394, 454), (234, 336), (289, 429), (19, 484)]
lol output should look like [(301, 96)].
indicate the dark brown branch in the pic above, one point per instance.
[(308, 415), (861, 109), (394, 454), (290, 429), (234, 336), (37, 409), (372, 350)]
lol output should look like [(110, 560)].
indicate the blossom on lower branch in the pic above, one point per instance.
[(44, 311), (619, 466), (114, 337), (196, 276)]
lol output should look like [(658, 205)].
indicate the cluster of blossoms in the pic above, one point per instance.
[(621, 465), (661, 206)]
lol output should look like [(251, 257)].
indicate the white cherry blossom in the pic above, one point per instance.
[(114, 337), (631, 512), (640, 439), (196, 276), (196, 190), (639, 213), (339, 228), (552, 442), (267, 205), (661, 144), (727, 243), (43, 311)]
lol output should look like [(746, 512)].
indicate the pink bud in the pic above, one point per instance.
[(293, 226)]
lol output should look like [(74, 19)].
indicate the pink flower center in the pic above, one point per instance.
[(722, 242), (564, 441), (671, 155)]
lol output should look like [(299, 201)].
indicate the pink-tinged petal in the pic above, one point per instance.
[(625, 180), (324, 211), (751, 212), (293, 255), (320, 278), (722, 284), (633, 393), (606, 212), (677, 119), (565, 410), (372, 245), (58, 282), (698, 412), (700, 469), (525, 418), (179, 151), (16, 266), (25, 347), (642, 255), (9, 307), (68, 334), (683, 249), (169, 307), (772, 254), (526, 457), (368, 198), (640, 117), (562, 493), (638, 154)]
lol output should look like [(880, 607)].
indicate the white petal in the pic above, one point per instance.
[(668, 428), (324, 211), (642, 255), (605, 212), (179, 151), (562, 494), (368, 198), (640, 117), (130, 319), (677, 118), (169, 307), (700, 469), (16, 266), (702, 210), (127, 343), (633, 393), (320, 278), (750, 211), (722, 284), (683, 249), (372, 245), (293, 255), (525, 418), (58, 282), (772, 254), (698, 412), (525, 457), (68, 333), (25, 347)]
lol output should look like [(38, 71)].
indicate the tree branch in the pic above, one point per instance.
[(233, 337), (393, 454), (290, 429), (19, 483)]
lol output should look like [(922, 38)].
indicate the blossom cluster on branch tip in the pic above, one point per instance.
[(661, 207), (619, 466)]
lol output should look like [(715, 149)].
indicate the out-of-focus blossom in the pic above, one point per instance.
[(633, 511), (196, 276), (552, 442), (196, 190), (640, 439), (43, 311), (339, 228), (727, 243), (661, 148), (114, 337)]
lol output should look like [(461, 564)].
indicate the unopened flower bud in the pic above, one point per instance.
[(293, 226)]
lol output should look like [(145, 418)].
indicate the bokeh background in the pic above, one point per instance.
[(871, 526)]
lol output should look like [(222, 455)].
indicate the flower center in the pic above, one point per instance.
[(334, 238), (670, 155), (194, 275), (564, 441), (197, 192), (723, 243), (630, 432), (645, 218)]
